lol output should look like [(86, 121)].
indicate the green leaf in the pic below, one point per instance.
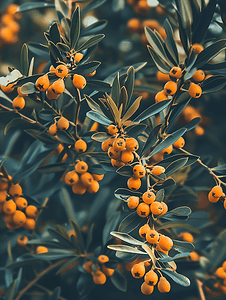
[(64, 241), (115, 90), (170, 42), (160, 195), (124, 194), (169, 258), (114, 108), (152, 110), (54, 255), (123, 99), (66, 137), (84, 284), (67, 264), (78, 234), (54, 51), (181, 211), (130, 222), (125, 171), (86, 68), (110, 225), (31, 5), (46, 114), (43, 137), (192, 124), (39, 49), (160, 64), (178, 278), (89, 237), (24, 59), (19, 123), (54, 33), (129, 83), (124, 248), (53, 168), (132, 109), (182, 246), (176, 165), (213, 84), (98, 118), (75, 27), (61, 8), (177, 224), (100, 136), (126, 238), (55, 294), (92, 5), (135, 130), (98, 85), (91, 42), (119, 281), (94, 28), (145, 88), (152, 139)]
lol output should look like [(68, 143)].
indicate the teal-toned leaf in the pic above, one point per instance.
[(63, 240), (79, 236), (170, 42), (39, 49), (110, 225), (53, 168), (66, 137), (84, 284), (28, 88), (91, 42), (175, 166), (47, 243), (178, 278), (55, 255), (33, 5), (181, 211), (119, 281), (54, 33), (24, 59), (86, 68), (182, 246), (125, 171), (63, 47), (160, 195), (21, 123), (92, 5), (54, 51), (46, 114), (61, 8), (152, 110), (100, 136), (115, 90), (94, 28), (126, 238), (169, 258), (160, 64), (177, 224), (130, 222), (65, 23), (192, 124), (145, 88), (152, 139), (132, 109), (123, 99), (67, 264), (89, 237), (98, 118), (75, 27), (219, 168), (213, 84), (124, 248), (135, 130), (114, 108), (43, 137), (98, 85), (129, 83), (124, 194)]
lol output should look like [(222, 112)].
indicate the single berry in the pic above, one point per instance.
[(79, 81), (139, 171), (195, 91), (170, 88), (133, 202), (80, 146), (61, 71), (143, 210), (134, 184), (148, 197), (152, 236), (63, 124)]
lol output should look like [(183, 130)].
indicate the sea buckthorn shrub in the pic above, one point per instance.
[(107, 122)]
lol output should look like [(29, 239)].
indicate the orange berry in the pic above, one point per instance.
[(79, 81), (58, 86), (81, 167), (52, 69), (21, 203), (107, 271), (112, 129), (41, 249), (151, 278), (12, 226), (165, 243), (139, 171), (133, 202), (170, 88), (167, 150), (3, 196), (116, 163), (160, 96), (119, 144), (194, 256), (20, 93), (197, 48), (61, 71), (220, 272), (4, 183), (165, 208), (32, 211), (94, 187), (7, 89), (52, 129), (162, 77), (8, 218), (98, 177), (138, 270), (187, 237), (71, 178), (199, 130), (88, 266), (22, 240), (131, 144), (63, 123), (90, 74), (80, 146), (18, 103), (179, 143), (148, 197), (42, 83), (198, 76), (176, 72), (19, 218), (143, 230), (103, 258), (127, 156), (163, 285), (224, 265), (156, 208), (78, 188), (15, 190), (152, 236), (99, 277), (143, 210), (195, 91), (107, 144), (134, 25), (9, 207), (50, 94), (86, 179), (29, 224), (157, 170), (12, 8), (78, 57), (146, 289), (134, 184), (114, 154), (217, 191)]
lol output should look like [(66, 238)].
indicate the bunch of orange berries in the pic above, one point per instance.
[(9, 27), (81, 181), (151, 278), (221, 275), (22, 241), (216, 194), (17, 212), (98, 270), (19, 101)]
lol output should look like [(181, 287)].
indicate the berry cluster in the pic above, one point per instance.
[(22, 241), (85, 182), (98, 270), (17, 212), (221, 275), (216, 194)]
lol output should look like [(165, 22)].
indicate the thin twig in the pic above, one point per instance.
[(48, 291), (77, 113), (201, 293)]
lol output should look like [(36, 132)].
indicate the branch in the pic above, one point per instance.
[(201, 293)]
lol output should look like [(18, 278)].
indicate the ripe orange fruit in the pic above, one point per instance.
[(119, 144), (176, 72), (114, 154), (86, 179), (146, 289), (131, 144), (143, 210), (88, 266), (78, 57), (90, 74), (194, 256), (22, 240), (165, 208), (179, 143), (116, 163), (195, 91), (186, 236), (78, 188), (15, 190), (151, 278), (71, 178), (81, 167), (165, 242), (160, 96), (133, 202), (50, 94), (20, 93), (107, 271), (18, 103), (217, 191), (94, 187), (3, 196), (58, 86), (162, 77), (42, 83), (167, 150), (7, 89), (127, 157), (224, 265), (157, 170), (61, 71), (103, 258), (41, 249), (134, 25), (170, 88), (156, 208), (112, 129), (29, 224), (79, 81), (52, 129), (98, 177), (32, 211), (152, 236), (143, 230), (138, 270), (163, 285), (9, 207), (148, 197), (139, 171), (99, 277), (198, 76), (220, 272), (63, 123), (80, 146), (19, 218), (197, 48), (133, 183)]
